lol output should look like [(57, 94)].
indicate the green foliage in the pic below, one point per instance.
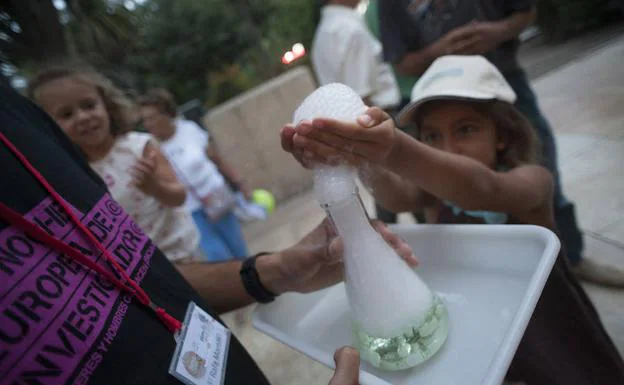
[(290, 21), (100, 32), (184, 38), (30, 31), (216, 49), (206, 49), (36, 33), (228, 83)]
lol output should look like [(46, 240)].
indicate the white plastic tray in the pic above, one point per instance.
[(490, 278)]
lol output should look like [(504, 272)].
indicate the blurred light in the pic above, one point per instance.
[(59, 4), (298, 49), (19, 83), (297, 52), (288, 57)]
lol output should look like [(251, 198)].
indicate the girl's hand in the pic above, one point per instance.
[(370, 140), (144, 175), (153, 175)]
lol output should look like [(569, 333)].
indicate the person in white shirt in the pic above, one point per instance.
[(344, 51), (210, 199)]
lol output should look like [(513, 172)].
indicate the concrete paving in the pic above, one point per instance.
[(583, 100)]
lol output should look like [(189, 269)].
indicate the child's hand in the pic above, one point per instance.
[(370, 140), (144, 175)]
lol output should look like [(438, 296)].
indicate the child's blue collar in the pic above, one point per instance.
[(490, 217)]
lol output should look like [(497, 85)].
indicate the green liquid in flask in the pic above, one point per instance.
[(410, 347)]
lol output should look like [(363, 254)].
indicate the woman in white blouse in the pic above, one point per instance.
[(210, 199)]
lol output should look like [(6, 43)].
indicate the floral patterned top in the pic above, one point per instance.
[(170, 228)]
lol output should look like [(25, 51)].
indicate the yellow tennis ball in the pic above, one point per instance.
[(265, 199)]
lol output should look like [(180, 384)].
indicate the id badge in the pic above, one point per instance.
[(200, 356)]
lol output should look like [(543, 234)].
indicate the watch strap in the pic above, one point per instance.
[(251, 281)]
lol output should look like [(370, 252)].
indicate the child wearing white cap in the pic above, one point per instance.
[(474, 162)]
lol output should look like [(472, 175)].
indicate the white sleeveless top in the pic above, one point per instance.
[(186, 151), (170, 228)]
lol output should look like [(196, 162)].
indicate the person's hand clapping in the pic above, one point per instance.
[(369, 140), (144, 175)]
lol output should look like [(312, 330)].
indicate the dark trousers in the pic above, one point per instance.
[(565, 218)]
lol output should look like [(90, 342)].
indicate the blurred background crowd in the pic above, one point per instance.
[(229, 46)]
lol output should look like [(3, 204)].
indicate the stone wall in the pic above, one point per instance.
[(246, 130)]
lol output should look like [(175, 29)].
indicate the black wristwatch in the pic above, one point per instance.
[(251, 281)]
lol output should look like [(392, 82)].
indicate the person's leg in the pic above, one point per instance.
[(211, 244), (231, 233), (565, 218)]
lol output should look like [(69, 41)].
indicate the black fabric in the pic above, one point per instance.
[(142, 348), (565, 342), (252, 283), (404, 30)]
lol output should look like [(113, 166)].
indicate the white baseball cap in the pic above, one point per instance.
[(457, 77)]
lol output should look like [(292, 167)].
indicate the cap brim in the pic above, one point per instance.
[(406, 115)]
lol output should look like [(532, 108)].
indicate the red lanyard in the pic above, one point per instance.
[(127, 285)]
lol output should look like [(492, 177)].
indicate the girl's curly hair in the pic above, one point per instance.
[(122, 111)]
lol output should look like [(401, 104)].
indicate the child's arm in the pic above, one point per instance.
[(469, 183), (461, 180)]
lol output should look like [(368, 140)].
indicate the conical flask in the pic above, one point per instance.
[(398, 322)]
